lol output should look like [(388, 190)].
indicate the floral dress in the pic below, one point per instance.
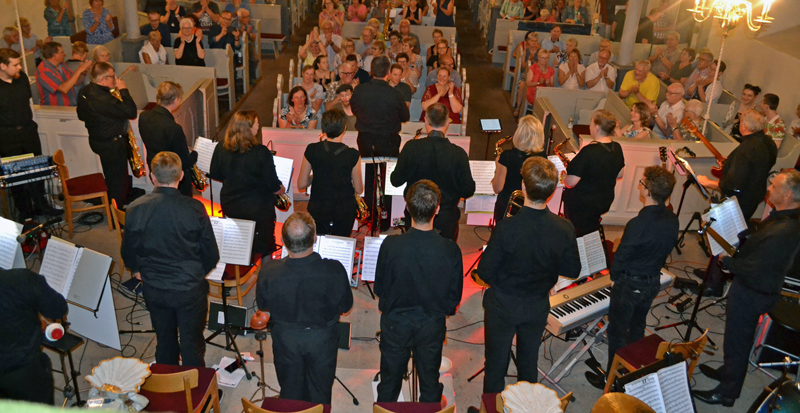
[(309, 116)]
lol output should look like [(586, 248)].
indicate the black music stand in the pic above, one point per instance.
[(490, 126), (683, 169), (64, 347)]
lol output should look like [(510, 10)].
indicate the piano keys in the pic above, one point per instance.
[(586, 302)]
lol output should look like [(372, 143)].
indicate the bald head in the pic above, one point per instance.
[(675, 93), (299, 233)]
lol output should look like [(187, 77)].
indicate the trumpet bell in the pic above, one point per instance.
[(283, 203)]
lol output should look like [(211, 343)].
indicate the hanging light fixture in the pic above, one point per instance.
[(729, 12)]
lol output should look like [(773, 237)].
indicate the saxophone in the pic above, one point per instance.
[(362, 210), (557, 150), (199, 181), (498, 146), (134, 153), (387, 24), (282, 201)]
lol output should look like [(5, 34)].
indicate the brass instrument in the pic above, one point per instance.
[(134, 153), (557, 150), (387, 24), (282, 201), (199, 180), (515, 202), (362, 210), (498, 145), (474, 275)]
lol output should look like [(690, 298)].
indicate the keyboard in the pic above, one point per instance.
[(586, 302)]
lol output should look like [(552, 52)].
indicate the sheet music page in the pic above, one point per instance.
[(595, 256), (217, 273), (218, 226), (340, 249), (729, 222), (9, 230), (71, 276), (283, 167), (372, 246), (648, 390), (480, 204), (58, 262), (559, 165), (237, 241), (391, 189), (285, 252), (675, 388), (482, 173), (205, 150)]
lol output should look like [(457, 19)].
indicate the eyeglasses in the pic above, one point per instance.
[(110, 76), (227, 19), (348, 73), (642, 184), (187, 28)]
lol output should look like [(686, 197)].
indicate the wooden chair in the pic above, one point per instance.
[(181, 389), (235, 277), (620, 403), (118, 218), (411, 407), (81, 188), (276, 405), (493, 402), (651, 349)]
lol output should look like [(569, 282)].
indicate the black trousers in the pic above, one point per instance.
[(504, 317), (32, 382), (173, 312), (631, 299), (584, 217), (373, 145), (305, 361), (446, 221), (744, 308), (333, 218), (114, 160), (404, 332)]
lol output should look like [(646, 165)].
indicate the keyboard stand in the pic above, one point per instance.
[(572, 348)]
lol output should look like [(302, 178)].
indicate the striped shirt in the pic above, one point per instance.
[(48, 78)]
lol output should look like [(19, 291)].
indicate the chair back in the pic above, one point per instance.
[(172, 383), (63, 172), (690, 351), (378, 409), (118, 216), (249, 407)]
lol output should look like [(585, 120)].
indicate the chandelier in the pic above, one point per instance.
[(729, 12)]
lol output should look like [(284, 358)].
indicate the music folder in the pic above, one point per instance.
[(665, 391), (79, 274), (728, 222), (10, 250)]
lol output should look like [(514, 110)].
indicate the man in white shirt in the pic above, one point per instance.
[(673, 106), (605, 44), (331, 42), (601, 76)]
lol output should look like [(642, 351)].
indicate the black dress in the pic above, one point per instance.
[(598, 165), (189, 57), (249, 183), (332, 203), (512, 160)]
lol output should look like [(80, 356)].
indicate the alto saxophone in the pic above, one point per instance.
[(362, 210), (498, 146), (557, 150), (282, 201), (199, 181), (134, 153), (387, 24)]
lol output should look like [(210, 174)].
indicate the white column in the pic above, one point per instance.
[(132, 20), (629, 32)]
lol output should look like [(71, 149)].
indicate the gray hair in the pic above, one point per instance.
[(298, 232), (793, 183), (694, 106), (754, 120)]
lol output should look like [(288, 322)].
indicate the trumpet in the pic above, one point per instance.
[(498, 146), (134, 153)]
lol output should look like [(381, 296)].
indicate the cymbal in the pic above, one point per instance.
[(619, 403)]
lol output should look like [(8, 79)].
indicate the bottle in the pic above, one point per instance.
[(571, 121)]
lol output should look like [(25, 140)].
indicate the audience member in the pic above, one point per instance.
[(155, 25), (310, 51), (571, 73), (681, 70), (362, 76), (80, 51), (378, 10), (347, 76), (664, 58), (330, 41), (442, 50), (223, 34), (348, 48), (748, 102), (444, 13), (405, 31), (98, 23), (410, 48), (322, 73), (246, 25), (207, 14), (699, 75), (693, 112), (540, 74), (512, 10), (11, 38), (563, 56), (619, 24), (153, 52), (345, 92), (101, 54), (448, 63), (531, 11), (378, 48), (545, 17), (173, 15), (559, 8), (234, 6), (188, 47), (298, 113), (775, 127), (553, 43), (601, 76), (640, 118), (444, 92), (58, 86), (395, 80), (671, 111), (410, 77), (314, 90), (395, 45), (30, 41), (639, 85), (357, 12), (430, 56), (59, 18), (605, 44), (575, 14), (375, 24), (712, 86), (364, 44), (330, 15), (663, 24)]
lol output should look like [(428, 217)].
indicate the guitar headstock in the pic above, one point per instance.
[(662, 153)]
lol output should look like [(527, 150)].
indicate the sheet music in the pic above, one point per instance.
[(205, 150), (593, 258), (9, 230), (675, 388), (559, 166), (234, 239), (729, 222), (283, 167), (372, 247), (218, 226), (217, 273), (340, 249), (482, 174), (391, 189), (648, 390), (480, 204), (58, 265), (315, 248)]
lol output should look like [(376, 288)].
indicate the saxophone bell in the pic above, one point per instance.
[(498, 149), (362, 210), (134, 153)]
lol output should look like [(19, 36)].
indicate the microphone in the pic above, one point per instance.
[(36, 230), (689, 151)]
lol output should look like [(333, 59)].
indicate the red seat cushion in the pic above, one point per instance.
[(410, 407), (230, 269), (222, 82), (176, 402), (641, 353), (286, 405), (490, 402), (502, 48), (276, 36), (86, 184)]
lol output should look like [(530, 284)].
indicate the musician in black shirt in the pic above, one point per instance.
[(441, 161), (744, 173), (107, 120), (337, 177), (759, 269), (304, 294), (249, 180), (169, 245), (160, 132), (636, 271), (592, 176), (418, 279), (528, 141), (522, 261)]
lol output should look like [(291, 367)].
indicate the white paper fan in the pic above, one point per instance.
[(119, 375), (524, 397)]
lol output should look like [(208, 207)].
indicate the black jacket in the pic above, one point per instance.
[(160, 133), (105, 116), (745, 172), (379, 108), (646, 243)]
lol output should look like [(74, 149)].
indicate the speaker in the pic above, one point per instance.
[(344, 335)]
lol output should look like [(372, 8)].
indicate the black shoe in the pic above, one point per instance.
[(50, 211), (597, 381), (219, 391), (710, 372), (713, 397)]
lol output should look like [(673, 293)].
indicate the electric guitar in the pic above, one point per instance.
[(662, 153), (716, 170)]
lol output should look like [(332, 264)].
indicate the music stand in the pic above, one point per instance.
[(490, 126), (684, 169)]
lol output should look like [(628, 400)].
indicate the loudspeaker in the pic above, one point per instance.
[(344, 335)]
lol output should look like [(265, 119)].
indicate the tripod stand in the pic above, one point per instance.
[(230, 338), (262, 385)]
